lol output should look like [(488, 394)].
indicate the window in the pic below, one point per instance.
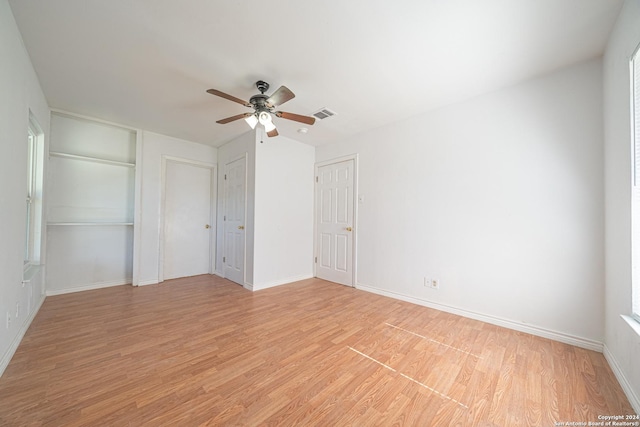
[(31, 170), (33, 228), (635, 196)]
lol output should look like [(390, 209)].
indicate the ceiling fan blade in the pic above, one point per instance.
[(280, 96), (233, 118), (272, 133), (229, 97), (296, 117)]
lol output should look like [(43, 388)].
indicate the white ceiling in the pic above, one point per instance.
[(148, 63)]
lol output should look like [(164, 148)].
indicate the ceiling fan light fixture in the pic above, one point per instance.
[(269, 126), (252, 121), (264, 118)]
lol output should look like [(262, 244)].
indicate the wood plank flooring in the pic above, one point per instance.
[(204, 351)]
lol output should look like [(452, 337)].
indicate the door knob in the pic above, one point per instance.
[(241, 227), (207, 226), (348, 228)]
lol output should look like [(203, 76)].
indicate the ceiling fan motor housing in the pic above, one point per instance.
[(259, 103)]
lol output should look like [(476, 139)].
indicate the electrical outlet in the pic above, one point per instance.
[(431, 283), (8, 319)]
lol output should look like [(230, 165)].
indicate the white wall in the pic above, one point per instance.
[(500, 198), (622, 344), (283, 241), (154, 146), (279, 224), (21, 92)]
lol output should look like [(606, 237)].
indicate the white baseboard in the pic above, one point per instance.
[(148, 282), (273, 283), (51, 292), (622, 379), (506, 323), (6, 358)]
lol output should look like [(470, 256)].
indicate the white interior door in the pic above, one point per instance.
[(187, 220), (334, 216), (234, 220)]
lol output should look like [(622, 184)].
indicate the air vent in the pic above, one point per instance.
[(323, 113)]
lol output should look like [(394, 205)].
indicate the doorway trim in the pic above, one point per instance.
[(212, 209), (316, 170)]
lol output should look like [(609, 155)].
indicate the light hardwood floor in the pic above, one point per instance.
[(204, 351)]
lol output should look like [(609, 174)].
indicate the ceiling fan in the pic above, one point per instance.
[(263, 108)]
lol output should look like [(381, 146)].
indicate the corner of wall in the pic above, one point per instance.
[(634, 400), (621, 344)]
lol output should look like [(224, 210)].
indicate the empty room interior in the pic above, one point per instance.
[(320, 213)]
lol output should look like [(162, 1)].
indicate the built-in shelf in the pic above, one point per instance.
[(89, 223), (91, 159), (90, 203)]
